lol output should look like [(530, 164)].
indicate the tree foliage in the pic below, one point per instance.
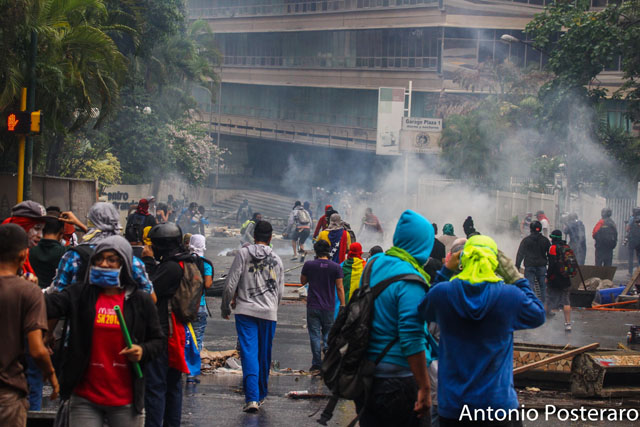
[(99, 64)]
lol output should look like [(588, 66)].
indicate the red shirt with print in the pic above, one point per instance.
[(107, 380)]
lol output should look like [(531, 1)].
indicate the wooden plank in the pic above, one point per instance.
[(633, 281), (561, 356)]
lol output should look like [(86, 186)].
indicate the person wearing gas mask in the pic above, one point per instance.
[(165, 259), (98, 374)]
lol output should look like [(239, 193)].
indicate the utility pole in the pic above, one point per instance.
[(21, 147), (31, 106), (406, 153)]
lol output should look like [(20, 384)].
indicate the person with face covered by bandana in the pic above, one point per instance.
[(97, 373), (477, 312), (337, 237), (104, 221)]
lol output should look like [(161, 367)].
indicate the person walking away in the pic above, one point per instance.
[(477, 312), (533, 250), (197, 247), (559, 278), (24, 319), (338, 238), (605, 233), (633, 238), (307, 207), (45, 257), (97, 374), (400, 393), (254, 288), (448, 237), (323, 221), (166, 261), (525, 224), (244, 212), (371, 229), (544, 222), (437, 256), (352, 269), (300, 220), (247, 229), (325, 278), (136, 223), (577, 239)]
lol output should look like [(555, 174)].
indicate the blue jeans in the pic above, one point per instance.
[(537, 273), (35, 382), (163, 393), (319, 323), (255, 337), (200, 325)]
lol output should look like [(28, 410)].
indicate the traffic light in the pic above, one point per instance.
[(35, 121), (19, 122), (23, 122)]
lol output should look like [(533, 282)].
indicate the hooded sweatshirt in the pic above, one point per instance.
[(256, 278), (475, 355), (395, 313)]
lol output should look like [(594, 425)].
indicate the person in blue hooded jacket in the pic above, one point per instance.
[(401, 390), (477, 313)]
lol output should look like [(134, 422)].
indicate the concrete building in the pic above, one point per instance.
[(308, 72)]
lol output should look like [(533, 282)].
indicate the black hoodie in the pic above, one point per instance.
[(533, 250)]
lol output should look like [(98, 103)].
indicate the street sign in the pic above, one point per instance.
[(420, 135), (422, 124)]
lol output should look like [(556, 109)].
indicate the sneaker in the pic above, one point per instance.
[(295, 257), (261, 403), (567, 327), (303, 254), (251, 407), (314, 370)]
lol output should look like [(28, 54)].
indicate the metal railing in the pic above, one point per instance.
[(594, 3), (332, 136), (359, 62), (301, 7), (320, 119)]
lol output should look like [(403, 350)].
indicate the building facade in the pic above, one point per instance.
[(308, 71)]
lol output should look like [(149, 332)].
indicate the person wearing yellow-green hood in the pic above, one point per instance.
[(477, 311)]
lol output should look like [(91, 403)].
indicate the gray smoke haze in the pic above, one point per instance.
[(442, 200)]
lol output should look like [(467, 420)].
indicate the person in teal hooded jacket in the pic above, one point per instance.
[(477, 313), (401, 391)]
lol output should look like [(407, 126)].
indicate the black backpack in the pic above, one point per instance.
[(135, 227), (346, 370), (607, 236)]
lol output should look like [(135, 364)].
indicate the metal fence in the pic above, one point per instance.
[(300, 7)]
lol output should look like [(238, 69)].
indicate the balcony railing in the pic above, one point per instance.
[(332, 136), (319, 119), (302, 7), (429, 63), (594, 3)]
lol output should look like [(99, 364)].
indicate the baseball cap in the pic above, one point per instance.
[(29, 209)]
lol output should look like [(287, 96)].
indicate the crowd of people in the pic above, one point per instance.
[(112, 321)]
